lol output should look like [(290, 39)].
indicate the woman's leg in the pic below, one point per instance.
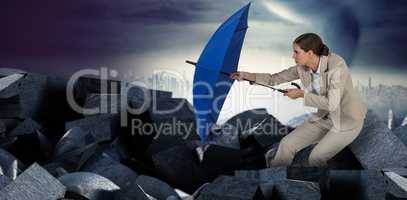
[(304, 135), (331, 144)]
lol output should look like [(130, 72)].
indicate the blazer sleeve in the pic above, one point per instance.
[(284, 76), (336, 85)]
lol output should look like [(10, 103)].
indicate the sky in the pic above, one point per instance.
[(140, 37)]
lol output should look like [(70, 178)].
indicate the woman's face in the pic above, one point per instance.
[(300, 56)]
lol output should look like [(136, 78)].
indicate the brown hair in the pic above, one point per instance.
[(312, 41)]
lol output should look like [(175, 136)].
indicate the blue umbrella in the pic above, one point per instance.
[(219, 58)]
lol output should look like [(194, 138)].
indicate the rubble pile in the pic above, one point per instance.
[(108, 139)]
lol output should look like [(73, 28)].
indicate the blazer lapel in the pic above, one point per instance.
[(324, 75), (306, 79)]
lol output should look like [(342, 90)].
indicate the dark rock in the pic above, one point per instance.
[(4, 71), (102, 127), (392, 197), (401, 133), (227, 136), (258, 132), (10, 107), (116, 150), (139, 97), (257, 123), (214, 160), (9, 163), (28, 142), (74, 160), (269, 133), (3, 128), (54, 168), (175, 117), (312, 174), (180, 167), (12, 170), (248, 119), (252, 160), (377, 147), (264, 175), (134, 191), (231, 188), (85, 86), (396, 185), (4, 181), (353, 185), (121, 175), (300, 190), (89, 185), (6, 125), (28, 126), (373, 185), (32, 94), (166, 109), (345, 159), (301, 157), (9, 85), (112, 170), (162, 143), (59, 107), (74, 149), (104, 104), (168, 122), (400, 171), (6, 142), (140, 166), (35, 184), (156, 188), (73, 139), (45, 144), (267, 189)]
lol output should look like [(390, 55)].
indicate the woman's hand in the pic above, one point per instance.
[(240, 76), (294, 93)]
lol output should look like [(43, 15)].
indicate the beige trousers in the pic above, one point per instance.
[(330, 142)]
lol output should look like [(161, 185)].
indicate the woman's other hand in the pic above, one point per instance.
[(294, 93), (240, 76)]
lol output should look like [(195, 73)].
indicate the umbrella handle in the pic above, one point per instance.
[(296, 85), (190, 62)]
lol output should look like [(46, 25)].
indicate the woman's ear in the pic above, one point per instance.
[(310, 52)]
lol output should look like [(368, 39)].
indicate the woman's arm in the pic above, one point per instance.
[(284, 76)]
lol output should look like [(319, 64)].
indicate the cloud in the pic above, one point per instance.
[(66, 33)]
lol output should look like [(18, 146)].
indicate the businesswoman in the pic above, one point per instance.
[(328, 87)]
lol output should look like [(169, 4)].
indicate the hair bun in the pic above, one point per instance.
[(324, 50)]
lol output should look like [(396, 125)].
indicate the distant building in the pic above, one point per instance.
[(404, 122), (391, 120), (178, 85)]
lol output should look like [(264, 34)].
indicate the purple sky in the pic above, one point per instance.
[(61, 37)]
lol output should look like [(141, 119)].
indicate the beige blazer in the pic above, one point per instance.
[(338, 100)]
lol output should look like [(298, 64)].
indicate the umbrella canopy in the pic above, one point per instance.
[(220, 56)]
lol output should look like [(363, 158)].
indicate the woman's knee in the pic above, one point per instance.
[(288, 146)]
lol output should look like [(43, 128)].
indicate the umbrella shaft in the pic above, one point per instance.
[(251, 82), (228, 74)]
